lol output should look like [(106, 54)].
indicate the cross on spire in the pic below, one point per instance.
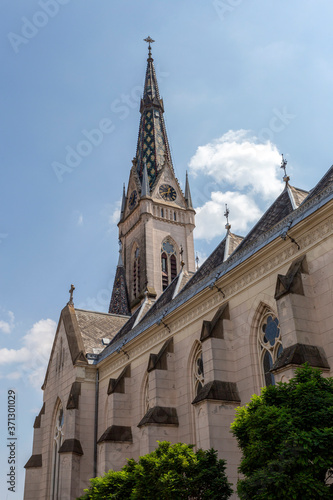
[(226, 215), (149, 40), (71, 291), (284, 162)]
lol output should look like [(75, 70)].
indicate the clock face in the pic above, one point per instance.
[(167, 192), (132, 199)]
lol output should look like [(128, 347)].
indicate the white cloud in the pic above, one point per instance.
[(7, 326), (210, 220), (240, 160), (115, 214), (244, 172), (80, 220), (30, 360)]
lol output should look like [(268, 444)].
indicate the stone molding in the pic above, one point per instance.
[(160, 415), (117, 434), (159, 361), (220, 391), (71, 446)]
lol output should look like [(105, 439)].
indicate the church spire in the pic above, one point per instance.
[(119, 303), (153, 146), (188, 197), (123, 203)]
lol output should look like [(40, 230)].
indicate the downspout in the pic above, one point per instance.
[(96, 421)]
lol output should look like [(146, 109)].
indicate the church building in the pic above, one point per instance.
[(181, 348)]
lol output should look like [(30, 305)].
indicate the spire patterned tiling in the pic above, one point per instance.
[(153, 146), (119, 303)]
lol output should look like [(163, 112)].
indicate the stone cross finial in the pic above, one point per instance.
[(226, 215), (71, 291), (284, 162), (149, 40)]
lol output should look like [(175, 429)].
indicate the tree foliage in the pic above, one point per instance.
[(172, 472), (286, 437)]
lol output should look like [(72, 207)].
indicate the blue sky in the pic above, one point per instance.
[(242, 82)]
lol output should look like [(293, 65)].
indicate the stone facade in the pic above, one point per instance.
[(189, 355)]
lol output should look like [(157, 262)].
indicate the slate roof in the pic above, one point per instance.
[(281, 207), (215, 258), (322, 184), (94, 326), (119, 303)]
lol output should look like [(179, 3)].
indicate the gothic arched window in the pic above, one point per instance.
[(136, 272), (58, 436), (269, 345), (168, 263), (198, 371)]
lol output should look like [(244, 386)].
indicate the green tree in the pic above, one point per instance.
[(172, 472), (286, 437)]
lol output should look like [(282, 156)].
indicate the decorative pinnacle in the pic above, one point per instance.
[(149, 40), (226, 215), (70, 302), (284, 162), (197, 261)]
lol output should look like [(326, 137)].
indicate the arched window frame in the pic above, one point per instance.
[(198, 373), (269, 344), (58, 437), (169, 267)]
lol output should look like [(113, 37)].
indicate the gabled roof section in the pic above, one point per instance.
[(281, 207), (324, 182), (153, 147), (94, 326), (298, 195)]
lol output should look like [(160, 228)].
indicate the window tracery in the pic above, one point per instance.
[(168, 263), (269, 345), (57, 442), (198, 371)]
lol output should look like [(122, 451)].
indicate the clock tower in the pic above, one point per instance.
[(157, 218)]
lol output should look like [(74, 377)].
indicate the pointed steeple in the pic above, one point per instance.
[(145, 190), (123, 203), (188, 197), (119, 303), (153, 143)]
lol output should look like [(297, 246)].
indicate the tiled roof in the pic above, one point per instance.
[(127, 327), (95, 326), (215, 258), (277, 211), (322, 184), (119, 303)]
